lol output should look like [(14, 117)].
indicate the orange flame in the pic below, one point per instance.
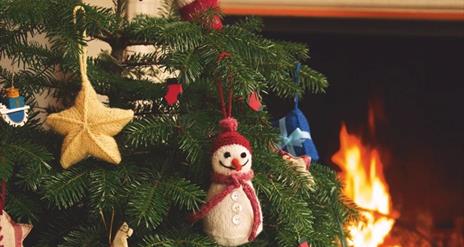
[(362, 171)]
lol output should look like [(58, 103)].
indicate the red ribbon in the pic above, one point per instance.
[(3, 197), (226, 112), (233, 182)]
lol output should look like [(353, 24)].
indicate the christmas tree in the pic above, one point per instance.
[(165, 168)]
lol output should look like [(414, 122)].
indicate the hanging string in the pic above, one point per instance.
[(82, 48), (296, 79), (110, 237), (12, 80), (13, 74), (226, 109)]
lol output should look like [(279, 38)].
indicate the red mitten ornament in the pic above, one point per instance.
[(194, 9), (304, 244), (254, 102), (232, 214), (174, 89)]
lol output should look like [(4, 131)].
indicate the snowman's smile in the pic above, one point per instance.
[(232, 168)]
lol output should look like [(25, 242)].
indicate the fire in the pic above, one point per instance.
[(366, 186)]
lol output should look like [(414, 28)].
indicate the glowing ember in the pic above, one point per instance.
[(366, 186)]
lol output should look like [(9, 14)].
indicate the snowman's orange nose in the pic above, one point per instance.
[(236, 164)]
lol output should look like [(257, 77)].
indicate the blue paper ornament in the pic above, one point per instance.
[(295, 132)]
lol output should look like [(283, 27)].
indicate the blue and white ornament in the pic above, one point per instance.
[(14, 111), (295, 132)]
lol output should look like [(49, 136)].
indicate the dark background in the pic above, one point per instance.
[(412, 72)]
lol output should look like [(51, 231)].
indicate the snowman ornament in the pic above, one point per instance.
[(232, 214)]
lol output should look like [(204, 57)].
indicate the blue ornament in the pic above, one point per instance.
[(15, 111), (295, 131), (14, 103)]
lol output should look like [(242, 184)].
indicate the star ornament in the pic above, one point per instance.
[(11, 233), (89, 127)]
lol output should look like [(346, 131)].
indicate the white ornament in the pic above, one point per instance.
[(4, 111), (230, 222)]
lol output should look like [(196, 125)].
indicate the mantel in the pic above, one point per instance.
[(371, 9)]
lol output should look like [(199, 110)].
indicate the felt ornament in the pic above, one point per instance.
[(301, 165), (304, 244), (232, 214), (89, 126), (12, 234), (295, 132), (254, 102), (14, 112), (191, 10), (120, 239), (173, 92)]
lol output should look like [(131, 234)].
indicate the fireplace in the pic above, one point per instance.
[(411, 74)]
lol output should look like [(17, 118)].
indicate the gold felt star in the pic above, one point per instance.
[(89, 127), (11, 233)]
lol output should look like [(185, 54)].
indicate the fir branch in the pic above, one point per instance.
[(150, 131), (192, 240), (67, 188), (183, 193), (23, 207), (147, 206), (104, 187), (289, 209), (84, 236)]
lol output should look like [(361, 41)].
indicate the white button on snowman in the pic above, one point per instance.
[(232, 215)]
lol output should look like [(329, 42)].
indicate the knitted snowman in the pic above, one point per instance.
[(232, 214)]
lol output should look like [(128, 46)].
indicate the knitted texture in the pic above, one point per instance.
[(239, 183), (229, 135), (120, 239), (232, 214), (296, 119), (88, 126), (11, 233)]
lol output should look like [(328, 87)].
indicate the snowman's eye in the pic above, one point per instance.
[(226, 155), (243, 155)]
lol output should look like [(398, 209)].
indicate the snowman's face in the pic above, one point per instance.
[(231, 159)]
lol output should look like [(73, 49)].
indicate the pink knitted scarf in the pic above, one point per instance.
[(232, 182)]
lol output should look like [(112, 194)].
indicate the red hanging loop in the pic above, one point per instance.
[(226, 112), (3, 197)]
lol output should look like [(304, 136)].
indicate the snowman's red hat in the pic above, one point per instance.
[(229, 135)]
